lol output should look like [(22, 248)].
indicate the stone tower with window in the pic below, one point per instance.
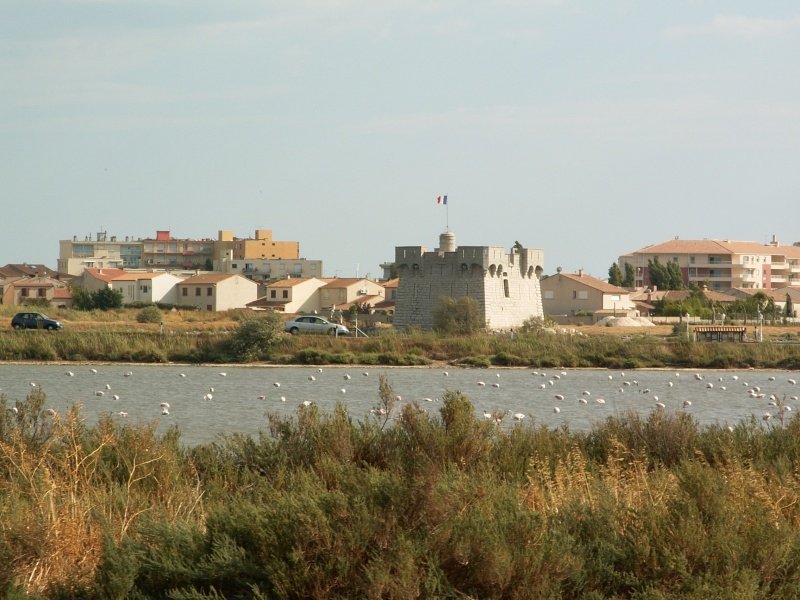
[(505, 284)]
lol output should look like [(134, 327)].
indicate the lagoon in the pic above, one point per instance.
[(242, 397)]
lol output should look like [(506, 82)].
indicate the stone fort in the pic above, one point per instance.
[(505, 284)]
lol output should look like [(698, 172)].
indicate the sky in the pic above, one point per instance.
[(587, 129)]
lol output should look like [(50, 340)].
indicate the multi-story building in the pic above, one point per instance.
[(168, 253), (505, 284), (100, 252), (577, 293), (721, 264), (217, 291)]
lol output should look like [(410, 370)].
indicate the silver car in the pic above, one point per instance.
[(314, 324)]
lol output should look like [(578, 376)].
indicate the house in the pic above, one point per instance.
[(147, 287), (342, 293), (389, 302), (22, 291), (217, 291), (93, 279), (723, 264), (578, 293), (296, 295)]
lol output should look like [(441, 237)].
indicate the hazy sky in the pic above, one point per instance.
[(588, 129)]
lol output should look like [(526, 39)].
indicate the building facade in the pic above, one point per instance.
[(577, 293), (721, 264), (217, 291), (504, 284)]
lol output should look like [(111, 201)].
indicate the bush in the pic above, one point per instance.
[(255, 336), (149, 314), (458, 316)]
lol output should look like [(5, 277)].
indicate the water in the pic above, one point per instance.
[(236, 405)]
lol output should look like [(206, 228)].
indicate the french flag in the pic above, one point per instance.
[(441, 200)]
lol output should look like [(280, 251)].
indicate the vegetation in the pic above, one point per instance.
[(255, 337), (401, 504), (458, 316), (104, 299), (149, 314), (615, 275), (665, 276)]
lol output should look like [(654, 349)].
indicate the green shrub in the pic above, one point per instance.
[(255, 337), (149, 314)]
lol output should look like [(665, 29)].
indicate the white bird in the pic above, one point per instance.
[(108, 387), (344, 391), (543, 386), (115, 396), (600, 401), (283, 398), (277, 384), (182, 375), (771, 378), (687, 403), (497, 374), (735, 377), (319, 370), (312, 378), (398, 398), (586, 393), (558, 397), (165, 411), (556, 409), (670, 384), (446, 374), (661, 405), (261, 397), (655, 399), (551, 382), (164, 405), (582, 400), (127, 373), (69, 374), (556, 377), (481, 384), (223, 374), (698, 376), (626, 383), (709, 385), (365, 374), (677, 374), (208, 397), (487, 415), (307, 403), (93, 370), (563, 373), (50, 412), (622, 374), (33, 384), (122, 414), (495, 385), (610, 377), (347, 376), (99, 393), (791, 381), (519, 416), (767, 416), (431, 400)]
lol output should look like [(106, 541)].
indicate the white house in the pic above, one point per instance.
[(147, 287), (217, 291)]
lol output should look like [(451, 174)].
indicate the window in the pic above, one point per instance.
[(285, 293), (42, 293), (208, 307), (615, 297), (674, 259), (506, 290), (574, 295), (209, 291), (273, 294), (583, 295), (691, 259), (197, 291), (548, 294), (24, 292), (185, 291)]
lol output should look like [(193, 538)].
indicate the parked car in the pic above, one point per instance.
[(35, 320), (313, 324)]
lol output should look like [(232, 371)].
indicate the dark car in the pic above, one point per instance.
[(35, 320)]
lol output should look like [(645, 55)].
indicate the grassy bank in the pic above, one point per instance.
[(190, 336), (434, 506)]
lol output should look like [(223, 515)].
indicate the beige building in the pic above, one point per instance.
[(94, 279), (21, 291), (147, 287), (296, 295), (340, 293), (577, 293), (100, 252), (217, 291), (722, 264)]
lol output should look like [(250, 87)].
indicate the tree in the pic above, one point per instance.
[(254, 337), (107, 299), (615, 275), (458, 316), (149, 314), (209, 265), (665, 277), (393, 271), (81, 299), (788, 309), (630, 276)]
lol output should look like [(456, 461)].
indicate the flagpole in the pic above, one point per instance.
[(447, 215)]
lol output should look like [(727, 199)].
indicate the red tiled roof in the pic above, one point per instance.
[(208, 278), (593, 282), (106, 275)]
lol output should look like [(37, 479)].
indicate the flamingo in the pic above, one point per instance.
[(277, 384), (582, 400), (600, 401), (519, 416), (165, 411), (347, 376), (558, 397), (687, 403), (481, 384), (223, 374), (312, 378), (164, 405), (307, 403), (556, 409), (127, 373), (495, 385), (69, 374)]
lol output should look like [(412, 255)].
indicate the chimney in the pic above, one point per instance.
[(580, 272)]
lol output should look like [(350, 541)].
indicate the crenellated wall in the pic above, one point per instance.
[(505, 284)]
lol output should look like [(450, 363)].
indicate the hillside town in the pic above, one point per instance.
[(509, 285)]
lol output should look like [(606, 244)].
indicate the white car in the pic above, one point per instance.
[(313, 324)]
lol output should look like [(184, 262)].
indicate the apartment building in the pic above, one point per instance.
[(99, 252), (721, 264)]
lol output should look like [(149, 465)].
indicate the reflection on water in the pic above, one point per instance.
[(240, 397)]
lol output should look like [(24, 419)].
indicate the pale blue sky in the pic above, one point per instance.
[(587, 129)]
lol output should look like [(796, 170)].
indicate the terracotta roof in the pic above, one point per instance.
[(62, 293), (28, 283), (267, 303), (392, 283), (718, 247), (778, 295), (681, 295), (127, 276), (593, 282), (30, 270), (291, 282), (210, 278), (341, 282), (106, 275)]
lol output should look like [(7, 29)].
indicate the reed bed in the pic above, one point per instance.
[(411, 505)]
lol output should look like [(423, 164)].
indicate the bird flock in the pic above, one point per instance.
[(527, 395)]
